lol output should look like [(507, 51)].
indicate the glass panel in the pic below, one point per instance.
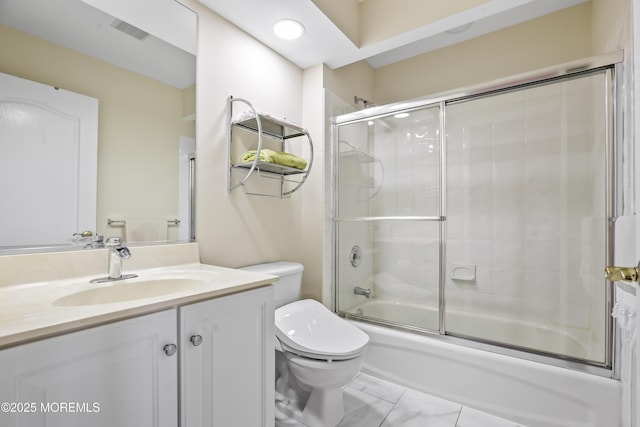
[(355, 176), (399, 262), (526, 218), (390, 166)]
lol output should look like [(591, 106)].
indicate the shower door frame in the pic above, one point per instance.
[(610, 64)]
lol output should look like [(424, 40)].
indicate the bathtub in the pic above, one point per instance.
[(531, 393), (515, 332)]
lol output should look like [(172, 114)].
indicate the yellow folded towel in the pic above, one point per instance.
[(277, 157)]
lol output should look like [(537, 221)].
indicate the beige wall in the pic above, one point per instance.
[(371, 21), (140, 121), (611, 25), (351, 80), (238, 229), (189, 104), (345, 14), (312, 194), (552, 39), (381, 19), (541, 42)]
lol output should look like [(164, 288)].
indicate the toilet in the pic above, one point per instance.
[(317, 352)]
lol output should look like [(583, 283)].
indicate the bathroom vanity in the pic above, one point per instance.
[(200, 355)]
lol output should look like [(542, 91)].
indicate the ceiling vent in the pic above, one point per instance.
[(129, 29)]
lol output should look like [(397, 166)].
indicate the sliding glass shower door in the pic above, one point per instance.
[(389, 217), (483, 216), (526, 217)]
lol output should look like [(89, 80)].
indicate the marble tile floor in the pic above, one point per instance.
[(372, 402)]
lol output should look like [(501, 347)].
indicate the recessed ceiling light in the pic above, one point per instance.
[(288, 29), (401, 115)]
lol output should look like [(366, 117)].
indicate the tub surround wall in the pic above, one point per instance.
[(408, 252), (352, 186), (526, 199)]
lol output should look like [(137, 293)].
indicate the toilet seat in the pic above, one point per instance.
[(307, 328)]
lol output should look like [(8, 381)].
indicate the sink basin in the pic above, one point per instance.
[(127, 291)]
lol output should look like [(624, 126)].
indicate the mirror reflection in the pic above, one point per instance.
[(144, 142)]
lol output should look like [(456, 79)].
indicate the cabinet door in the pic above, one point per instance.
[(228, 379), (112, 375)]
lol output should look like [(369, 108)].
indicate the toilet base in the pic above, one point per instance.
[(324, 408), (315, 396)]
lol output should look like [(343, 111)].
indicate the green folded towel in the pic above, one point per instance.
[(277, 157)]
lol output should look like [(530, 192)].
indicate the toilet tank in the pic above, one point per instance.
[(287, 287)]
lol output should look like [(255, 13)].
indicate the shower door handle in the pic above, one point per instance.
[(624, 274)]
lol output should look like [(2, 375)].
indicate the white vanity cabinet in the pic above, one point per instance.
[(227, 361), (204, 364), (112, 375)]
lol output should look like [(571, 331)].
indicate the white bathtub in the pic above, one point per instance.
[(531, 393), (491, 328)]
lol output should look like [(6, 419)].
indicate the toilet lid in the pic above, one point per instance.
[(309, 329)]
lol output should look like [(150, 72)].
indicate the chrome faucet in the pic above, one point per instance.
[(362, 291), (117, 253)]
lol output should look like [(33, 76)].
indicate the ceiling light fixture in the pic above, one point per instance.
[(288, 29)]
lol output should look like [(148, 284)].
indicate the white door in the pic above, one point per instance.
[(227, 361), (48, 163), (631, 379), (112, 375)]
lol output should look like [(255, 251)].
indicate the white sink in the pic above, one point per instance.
[(129, 290)]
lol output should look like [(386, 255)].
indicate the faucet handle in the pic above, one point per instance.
[(113, 241), (123, 252)]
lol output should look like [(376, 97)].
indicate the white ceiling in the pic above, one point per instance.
[(324, 42), (169, 55)]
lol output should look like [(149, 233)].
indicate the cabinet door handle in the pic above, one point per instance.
[(170, 349), (196, 340)]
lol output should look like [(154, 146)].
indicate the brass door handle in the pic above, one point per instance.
[(625, 274)]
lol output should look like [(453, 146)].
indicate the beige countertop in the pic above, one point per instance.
[(32, 311)]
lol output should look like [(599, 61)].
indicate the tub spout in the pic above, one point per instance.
[(362, 291)]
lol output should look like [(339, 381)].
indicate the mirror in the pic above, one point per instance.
[(145, 88)]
